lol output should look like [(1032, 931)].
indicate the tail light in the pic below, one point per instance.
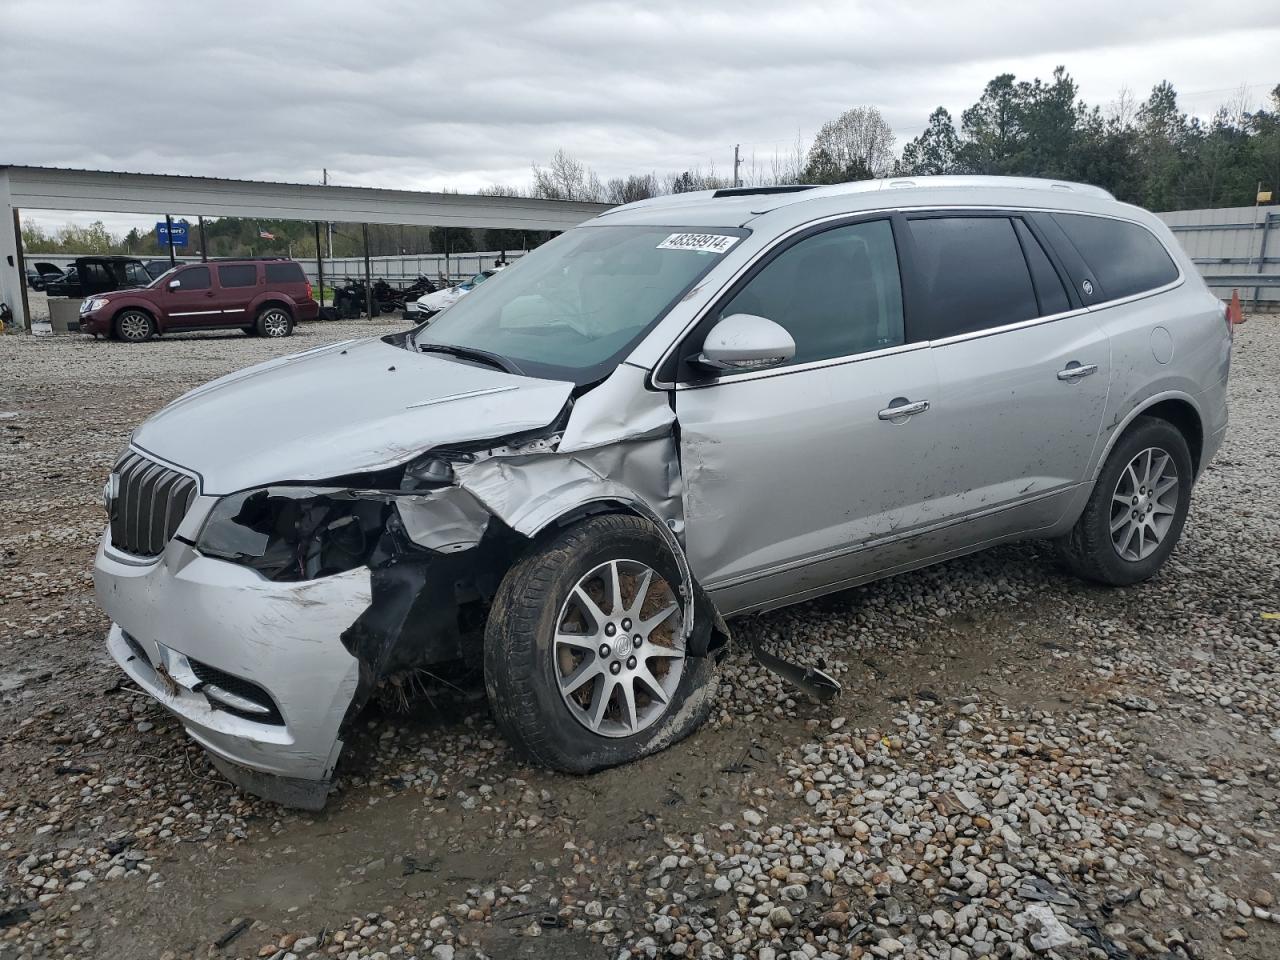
[(309, 297)]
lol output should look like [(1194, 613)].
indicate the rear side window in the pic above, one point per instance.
[(238, 275), (193, 278), (1049, 289), (972, 274), (837, 293), (284, 273), (1124, 257)]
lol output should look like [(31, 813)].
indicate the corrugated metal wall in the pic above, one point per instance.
[(1232, 242)]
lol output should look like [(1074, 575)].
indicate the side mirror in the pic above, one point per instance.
[(175, 284), (744, 341)]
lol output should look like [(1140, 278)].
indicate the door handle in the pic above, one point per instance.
[(900, 408), (1075, 370)]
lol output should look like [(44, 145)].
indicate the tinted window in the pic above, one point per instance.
[(1049, 289), (284, 273), (237, 275), (193, 278), (136, 274), (972, 274), (1124, 257), (96, 273), (837, 293)]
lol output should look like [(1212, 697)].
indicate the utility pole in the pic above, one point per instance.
[(737, 163), (329, 226)]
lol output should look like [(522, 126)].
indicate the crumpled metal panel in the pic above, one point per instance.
[(446, 520)]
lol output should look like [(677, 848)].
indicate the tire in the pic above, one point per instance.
[(274, 322), (134, 326), (525, 663), (1091, 550)]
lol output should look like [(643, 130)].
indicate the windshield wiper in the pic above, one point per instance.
[(471, 353)]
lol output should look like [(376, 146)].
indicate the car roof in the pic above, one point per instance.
[(738, 207)]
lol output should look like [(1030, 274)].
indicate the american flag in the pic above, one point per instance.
[(264, 235)]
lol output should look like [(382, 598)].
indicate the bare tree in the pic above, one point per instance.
[(566, 178), (632, 188), (858, 139)]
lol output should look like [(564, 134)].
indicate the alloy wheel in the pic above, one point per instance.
[(1143, 504), (275, 323), (618, 650), (135, 327)]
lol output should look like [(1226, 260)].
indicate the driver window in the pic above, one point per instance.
[(193, 278), (838, 293)]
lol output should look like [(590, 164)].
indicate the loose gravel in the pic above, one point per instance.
[(1020, 765)]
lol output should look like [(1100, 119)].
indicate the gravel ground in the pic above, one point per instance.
[(1020, 765)]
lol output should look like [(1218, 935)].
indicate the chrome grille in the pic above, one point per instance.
[(149, 503)]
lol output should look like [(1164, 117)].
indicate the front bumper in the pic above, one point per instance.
[(184, 609)]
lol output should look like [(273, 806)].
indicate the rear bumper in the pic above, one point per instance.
[(306, 311), (183, 613)]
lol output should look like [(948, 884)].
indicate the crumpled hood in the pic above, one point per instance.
[(344, 408)]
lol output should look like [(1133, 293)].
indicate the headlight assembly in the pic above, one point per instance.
[(299, 533)]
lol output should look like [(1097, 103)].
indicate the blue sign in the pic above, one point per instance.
[(179, 234)]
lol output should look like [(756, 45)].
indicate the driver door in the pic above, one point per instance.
[(193, 302), (795, 475)]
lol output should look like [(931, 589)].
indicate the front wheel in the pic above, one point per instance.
[(274, 322), (1139, 504), (135, 326), (584, 658)]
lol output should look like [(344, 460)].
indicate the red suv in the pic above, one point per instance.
[(263, 297)]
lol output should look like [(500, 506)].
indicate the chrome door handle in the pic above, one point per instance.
[(903, 409), (1075, 370)]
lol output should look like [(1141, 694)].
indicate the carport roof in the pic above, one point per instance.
[(60, 188)]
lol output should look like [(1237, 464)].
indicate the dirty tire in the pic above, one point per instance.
[(520, 666), (1088, 550), (134, 326), (274, 322)]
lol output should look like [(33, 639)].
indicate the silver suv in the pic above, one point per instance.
[(686, 409)]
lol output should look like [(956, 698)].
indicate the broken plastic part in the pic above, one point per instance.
[(818, 684)]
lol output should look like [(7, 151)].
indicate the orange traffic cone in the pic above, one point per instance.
[(1235, 311)]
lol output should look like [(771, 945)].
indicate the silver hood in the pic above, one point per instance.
[(345, 408)]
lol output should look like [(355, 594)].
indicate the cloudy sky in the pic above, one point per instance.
[(461, 95)]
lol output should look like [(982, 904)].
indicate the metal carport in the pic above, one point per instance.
[(54, 188)]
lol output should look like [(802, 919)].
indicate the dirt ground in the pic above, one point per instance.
[(1006, 736)]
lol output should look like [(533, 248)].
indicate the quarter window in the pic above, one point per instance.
[(972, 274), (1125, 258), (837, 293), (1049, 289), (284, 273), (237, 275), (193, 278)]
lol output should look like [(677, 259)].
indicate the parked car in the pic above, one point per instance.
[(261, 297), (89, 275), (41, 274), (156, 267), (577, 474), (430, 304)]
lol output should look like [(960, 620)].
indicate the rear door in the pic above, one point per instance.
[(193, 301), (238, 285), (1023, 370)]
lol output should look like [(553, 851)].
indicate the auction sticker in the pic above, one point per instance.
[(701, 242)]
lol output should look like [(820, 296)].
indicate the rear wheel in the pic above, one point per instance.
[(1136, 512), (585, 661), (134, 326), (274, 322)]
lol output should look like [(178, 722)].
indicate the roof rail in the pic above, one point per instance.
[(757, 191)]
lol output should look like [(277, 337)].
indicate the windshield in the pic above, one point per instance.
[(574, 307)]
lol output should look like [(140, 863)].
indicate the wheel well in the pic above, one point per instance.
[(1182, 415), (288, 308), (115, 317)]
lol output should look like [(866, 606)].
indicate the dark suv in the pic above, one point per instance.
[(91, 275), (263, 297)]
